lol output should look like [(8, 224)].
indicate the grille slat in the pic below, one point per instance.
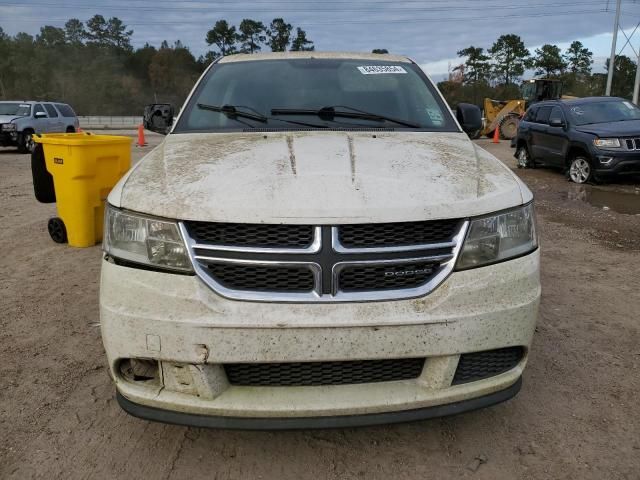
[(251, 234), (385, 277), (262, 279), (632, 143), (323, 373), (481, 365), (379, 235)]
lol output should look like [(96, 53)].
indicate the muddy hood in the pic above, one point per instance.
[(318, 177)]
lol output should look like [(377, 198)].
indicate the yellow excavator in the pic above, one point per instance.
[(505, 115)]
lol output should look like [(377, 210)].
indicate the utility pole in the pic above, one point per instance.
[(636, 85), (612, 59)]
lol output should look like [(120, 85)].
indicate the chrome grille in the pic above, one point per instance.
[(632, 143), (278, 263)]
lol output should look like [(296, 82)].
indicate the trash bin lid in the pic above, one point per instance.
[(80, 139)]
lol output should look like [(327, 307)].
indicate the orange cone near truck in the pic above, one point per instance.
[(84, 168)]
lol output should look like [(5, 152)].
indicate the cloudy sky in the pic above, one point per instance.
[(429, 31)]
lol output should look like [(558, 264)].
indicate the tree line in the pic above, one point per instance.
[(495, 72), (93, 66)]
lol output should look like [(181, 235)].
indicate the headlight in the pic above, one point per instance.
[(607, 143), (8, 127), (499, 237), (144, 240)]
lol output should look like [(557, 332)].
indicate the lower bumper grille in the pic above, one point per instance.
[(323, 373), (480, 365)]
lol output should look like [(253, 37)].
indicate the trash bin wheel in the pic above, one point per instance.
[(57, 230)]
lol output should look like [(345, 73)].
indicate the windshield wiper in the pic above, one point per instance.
[(232, 111), (330, 112)]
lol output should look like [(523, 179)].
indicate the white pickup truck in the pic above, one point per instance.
[(317, 243)]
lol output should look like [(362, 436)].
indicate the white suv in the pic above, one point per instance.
[(20, 120), (317, 243)]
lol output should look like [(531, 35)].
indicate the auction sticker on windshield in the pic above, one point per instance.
[(378, 69)]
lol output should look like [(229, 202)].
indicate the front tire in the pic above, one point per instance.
[(523, 158), (509, 127), (580, 170), (25, 142)]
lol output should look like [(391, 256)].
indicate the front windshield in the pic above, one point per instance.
[(604, 112), (396, 90), (17, 109)]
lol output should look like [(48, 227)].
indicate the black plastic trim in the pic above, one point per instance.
[(293, 423), (144, 266)]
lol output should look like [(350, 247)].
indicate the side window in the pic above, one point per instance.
[(556, 114), (37, 108), (50, 110), (530, 116), (65, 110), (543, 115)]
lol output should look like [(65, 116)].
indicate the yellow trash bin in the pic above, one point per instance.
[(85, 167)]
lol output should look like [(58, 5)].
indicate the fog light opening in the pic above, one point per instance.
[(138, 370), (605, 160)]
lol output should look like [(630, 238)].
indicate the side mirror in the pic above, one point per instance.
[(470, 117), (556, 122), (40, 115), (158, 117)]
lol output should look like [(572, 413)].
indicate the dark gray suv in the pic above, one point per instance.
[(19, 120), (592, 138)]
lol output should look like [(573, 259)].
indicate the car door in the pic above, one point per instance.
[(55, 121), (40, 119), (556, 138), (538, 133)]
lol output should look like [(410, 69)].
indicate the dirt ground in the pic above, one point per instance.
[(577, 416)]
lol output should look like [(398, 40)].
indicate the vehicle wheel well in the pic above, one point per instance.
[(521, 143), (574, 152), (71, 129)]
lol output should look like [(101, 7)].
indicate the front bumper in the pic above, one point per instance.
[(292, 423), (621, 163), (8, 139), (180, 322)]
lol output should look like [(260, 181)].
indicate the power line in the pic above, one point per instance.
[(367, 8), (350, 22), (308, 8)]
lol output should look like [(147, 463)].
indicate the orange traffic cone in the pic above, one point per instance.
[(141, 141), (496, 135)]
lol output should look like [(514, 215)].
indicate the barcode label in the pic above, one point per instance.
[(379, 69)]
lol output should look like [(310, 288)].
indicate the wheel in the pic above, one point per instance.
[(509, 127), (71, 130), (57, 230), (26, 143), (580, 170), (524, 160)]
